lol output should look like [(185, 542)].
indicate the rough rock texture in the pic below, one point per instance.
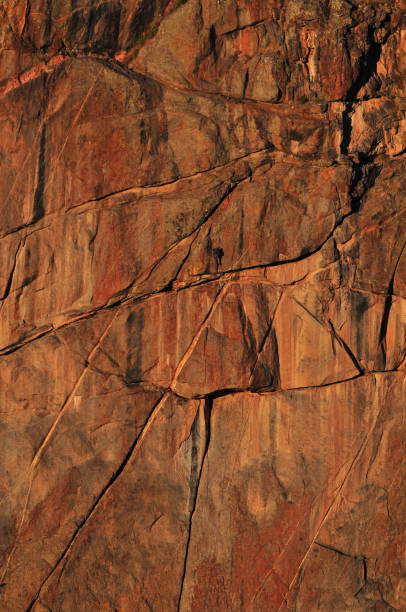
[(176, 437)]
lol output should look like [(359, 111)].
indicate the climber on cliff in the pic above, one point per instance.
[(218, 255)]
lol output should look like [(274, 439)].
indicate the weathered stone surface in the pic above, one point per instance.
[(180, 434), (277, 484)]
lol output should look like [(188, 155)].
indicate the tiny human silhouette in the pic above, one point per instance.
[(218, 254)]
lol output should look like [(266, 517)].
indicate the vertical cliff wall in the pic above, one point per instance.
[(177, 435)]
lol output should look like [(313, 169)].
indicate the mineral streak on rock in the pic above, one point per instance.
[(179, 432)]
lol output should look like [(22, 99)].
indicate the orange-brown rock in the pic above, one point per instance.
[(181, 433)]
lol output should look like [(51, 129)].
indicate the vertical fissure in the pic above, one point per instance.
[(38, 205), (386, 311), (11, 275), (207, 412)]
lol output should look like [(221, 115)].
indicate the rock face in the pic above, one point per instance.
[(177, 435)]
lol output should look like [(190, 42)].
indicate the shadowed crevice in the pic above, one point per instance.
[(368, 69), (38, 206), (208, 407), (336, 550), (386, 311), (11, 275)]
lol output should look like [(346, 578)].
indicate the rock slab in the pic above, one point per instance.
[(179, 433)]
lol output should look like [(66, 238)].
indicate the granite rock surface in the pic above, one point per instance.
[(178, 435)]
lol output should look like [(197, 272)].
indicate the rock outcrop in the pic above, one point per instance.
[(178, 435)]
